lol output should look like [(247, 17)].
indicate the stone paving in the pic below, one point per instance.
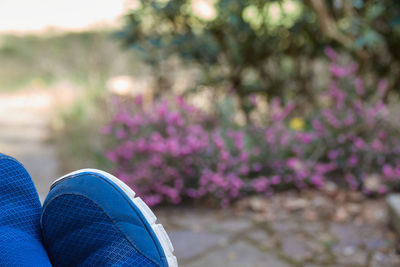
[(289, 229)]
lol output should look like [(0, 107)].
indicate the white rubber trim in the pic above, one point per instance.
[(151, 218)]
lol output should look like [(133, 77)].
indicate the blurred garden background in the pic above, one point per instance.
[(265, 133)]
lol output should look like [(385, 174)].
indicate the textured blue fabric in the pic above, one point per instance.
[(20, 234), (78, 232), (86, 221)]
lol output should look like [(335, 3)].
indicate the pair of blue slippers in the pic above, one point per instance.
[(89, 218)]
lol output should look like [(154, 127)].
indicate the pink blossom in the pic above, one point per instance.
[(358, 143), (377, 145), (257, 167), (349, 120), (120, 134), (317, 180), (331, 118), (352, 161), (331, 53), (284, 138), (341, 72), (270, 135), (382, 134), (337, 94), (333, 154), (304, 138), (387, 170), (359, 84), (239, 140), (318, 127), (382, 87), (111, 155), (382, 189), (106, 129), (294, 164), (351, 180), (276, 179), (139, 100), (260, 184)]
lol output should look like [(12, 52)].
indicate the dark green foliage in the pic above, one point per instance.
[(268, 47)]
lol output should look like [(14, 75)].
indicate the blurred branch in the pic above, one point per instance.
[(328, 24)]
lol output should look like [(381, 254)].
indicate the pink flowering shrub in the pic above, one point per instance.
[(174, 152), (354, 135), (169, 154), (283, 155)]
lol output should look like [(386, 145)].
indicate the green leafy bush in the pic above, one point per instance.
[(270, 48)]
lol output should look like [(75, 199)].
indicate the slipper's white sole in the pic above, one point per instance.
[(151, 218)]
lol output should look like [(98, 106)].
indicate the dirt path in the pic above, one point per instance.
[(24, 133)]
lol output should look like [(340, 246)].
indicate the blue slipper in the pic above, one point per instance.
[(20, 234), (91, 218)]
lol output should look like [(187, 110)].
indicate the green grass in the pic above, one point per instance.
[(85, 58)]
